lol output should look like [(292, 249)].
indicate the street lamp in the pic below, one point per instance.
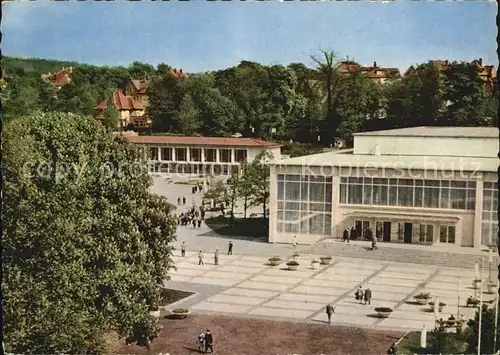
[(480, 309)]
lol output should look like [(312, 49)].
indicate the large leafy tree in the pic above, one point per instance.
[(257, 172), (189, 120), (86, 247), (164, 100)]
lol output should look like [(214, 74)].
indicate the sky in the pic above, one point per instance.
[(202, 36)]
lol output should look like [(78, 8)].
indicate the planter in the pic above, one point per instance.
[(476, 283), (315, 265), (275, 261), (383, 312), (180, 313), (295, 257), (292, 265), (327, 260), (422, 301)]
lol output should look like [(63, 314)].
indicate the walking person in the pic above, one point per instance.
[(178, 201), (199, 223), (345, 237), (353, 233), (230, 248), (209, 341), (329, 311), (359, 294), (200, 258), (216, 257), (294, 241), (200, 341), (373, 237), (194, 222), (183, 249), (368, 296), (184, 201)]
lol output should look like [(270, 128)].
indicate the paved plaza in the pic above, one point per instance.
[(248, 286)]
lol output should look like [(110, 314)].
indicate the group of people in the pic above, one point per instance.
[(349, 234), (363, 296), (197, 188), (192, 216), (205, 341), (201, 255)]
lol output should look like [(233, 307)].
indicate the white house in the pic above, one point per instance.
[(202, 155), (421, 185)]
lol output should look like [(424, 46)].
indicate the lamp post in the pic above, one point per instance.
[(480, 309), (495, 327)]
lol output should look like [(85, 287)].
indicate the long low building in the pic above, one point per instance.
[(422, 185), (202, 155)]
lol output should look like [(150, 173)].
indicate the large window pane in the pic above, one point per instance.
[(317, 207), (367, 195), (291, 215), (355, 194), (225, 155), (292, 206), (405, 196), (166, 154), (291, 227), (316, 192), (431, 197), (343, 193), (471, 199), (304, 227), (180, 154), (328, 192), (458, 198), (211, 156), (419, 197), (317, 224), (444, 201), (292, 191), (304, 191), (281, 190), (328, 224), (393, 195), (379, 195)]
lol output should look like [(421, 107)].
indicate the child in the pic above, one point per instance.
[(200, 341)]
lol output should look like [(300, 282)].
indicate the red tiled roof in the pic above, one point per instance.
[(60, 78), (140, 85), (179, 74), (122, 102), (211, 141)]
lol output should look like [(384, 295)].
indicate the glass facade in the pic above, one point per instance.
[(489, 232), (415, 193), (304, 204)]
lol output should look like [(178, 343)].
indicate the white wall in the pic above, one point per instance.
[(427, 146)]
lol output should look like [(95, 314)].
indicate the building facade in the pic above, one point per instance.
[(422, 185), (201, 155)]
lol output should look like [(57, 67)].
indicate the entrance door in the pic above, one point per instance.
[(387, 232), (361, 228), (408, 229)]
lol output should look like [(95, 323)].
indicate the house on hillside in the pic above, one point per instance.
[(377, 74), (131, 112), (137, 89), (60, 78)]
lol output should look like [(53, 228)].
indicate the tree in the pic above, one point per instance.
[(245, 189), (164, 100), (111, 120), (487, 331), (189, 120), (258, 174), (86, 247), (327, 67), (216, 192), (232, 194)]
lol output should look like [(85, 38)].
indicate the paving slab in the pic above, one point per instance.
[(352, 302), (218, 282), (323, 291), (349, 272), (287, 304), (416, 315), (303, 297), (221, 307), (259, 259), (281, 312), (263, 286), (331, 283), (225, 275), (448, 286), (353, 309), (388, 288), (189, 272), (277, 279), (452, 279), (387, 296), (396, 282), (448, 293), (357, 266), (233, 299), (410, 269), (346, 319), (285, 273), (400, 275), (339, 277), (253, 264), (245, 292), (457, 272), (179, 278), (242, 269)]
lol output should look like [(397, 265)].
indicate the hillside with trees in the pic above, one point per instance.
[(284, 103)]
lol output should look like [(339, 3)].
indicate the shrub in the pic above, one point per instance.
[(292, 263), (423, 295), (315, 261), (326, 258), (383, 309), (441, 304), (275, 258)]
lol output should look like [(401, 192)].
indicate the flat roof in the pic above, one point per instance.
[(445, 163), (202, 141), (426, 131)]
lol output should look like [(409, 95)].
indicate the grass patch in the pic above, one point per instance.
[(190, 182), (250, 227), (410, 344), (169, 296)]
